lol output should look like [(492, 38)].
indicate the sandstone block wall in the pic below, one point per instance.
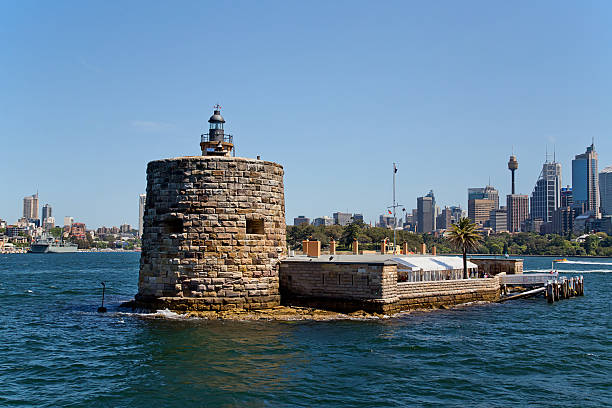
[(336, 280), (374, 288), (214, 231), (495, 266), (416, 295)]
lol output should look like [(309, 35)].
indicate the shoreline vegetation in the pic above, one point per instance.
[(520, 244)]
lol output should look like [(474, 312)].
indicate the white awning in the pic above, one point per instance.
[(431, 263)]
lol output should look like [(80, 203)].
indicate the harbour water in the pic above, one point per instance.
[(57, 351)]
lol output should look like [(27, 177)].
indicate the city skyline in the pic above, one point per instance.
[(103, 104)]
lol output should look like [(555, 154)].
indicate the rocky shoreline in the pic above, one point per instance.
[(289, 313)]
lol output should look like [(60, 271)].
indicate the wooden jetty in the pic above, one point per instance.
[(564, 288), (550, 285)]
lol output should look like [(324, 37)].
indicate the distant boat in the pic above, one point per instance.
[(51, 245), (560, 260)]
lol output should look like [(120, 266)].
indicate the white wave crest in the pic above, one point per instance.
[(584, 263), (571, 271)]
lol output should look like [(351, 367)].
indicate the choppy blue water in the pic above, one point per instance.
[(55, 350)]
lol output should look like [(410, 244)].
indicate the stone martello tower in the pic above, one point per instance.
[(214, 229)]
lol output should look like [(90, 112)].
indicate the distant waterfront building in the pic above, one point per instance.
[(386, 221), (479, 210), (77, 230), (566, 197), (546, 196), (603, 224), (457, 214), (585, 185), (498, 220), (342, 219), (301, 220), (47, 211), (563, 220), (445, 219), (517, 206), (325, 221), (49, 223), (357, 217), (426, 213), (30, 207), (68, 221), (125, 228), (532, 225), (605, 190), (142, 200), (15, 230)]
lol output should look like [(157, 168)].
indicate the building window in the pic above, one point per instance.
[(254, 227), (173, 226)]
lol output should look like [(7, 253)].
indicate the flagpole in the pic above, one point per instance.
[(394, 218), (394, 206)]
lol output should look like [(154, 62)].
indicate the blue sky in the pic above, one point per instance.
[(334, 91)]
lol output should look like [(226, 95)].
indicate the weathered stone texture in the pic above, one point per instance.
[(214, 230), (373, 287)]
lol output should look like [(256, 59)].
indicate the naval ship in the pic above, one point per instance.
[(49, 245)]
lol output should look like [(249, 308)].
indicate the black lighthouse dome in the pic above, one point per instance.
[(216, 117)]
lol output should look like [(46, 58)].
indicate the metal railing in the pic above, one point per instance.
[(206, 137)]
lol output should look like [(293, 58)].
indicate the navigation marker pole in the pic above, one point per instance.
[(102, 309)]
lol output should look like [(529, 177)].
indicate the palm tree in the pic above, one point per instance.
[(463, 236)]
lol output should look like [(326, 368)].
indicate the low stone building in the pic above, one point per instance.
[(214, 229), (495, 266), (371, 283)]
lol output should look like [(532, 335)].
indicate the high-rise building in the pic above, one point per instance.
[(605, 190), (563, 220), (386, 221), (444, 219), (326, 221), (498, 220), (47, 211), (456, 213), (479, 210), (358, 217), (125, 228), (546, 196), (301, 220), (484, 193), (585, 185), (566, 197), (142, 200), (517, 206), (342, 218), (426, 213), (30, 207)]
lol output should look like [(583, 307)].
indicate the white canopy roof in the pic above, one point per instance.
[(431, 263)]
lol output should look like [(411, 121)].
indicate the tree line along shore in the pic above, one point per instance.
[(597, 244)]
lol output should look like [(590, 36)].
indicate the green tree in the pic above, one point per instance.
[(351, 232), (464, 237), (56, 231)]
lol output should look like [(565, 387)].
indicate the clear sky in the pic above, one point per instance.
[(333, 90)]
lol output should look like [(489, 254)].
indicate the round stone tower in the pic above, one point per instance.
[(214, 229)]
